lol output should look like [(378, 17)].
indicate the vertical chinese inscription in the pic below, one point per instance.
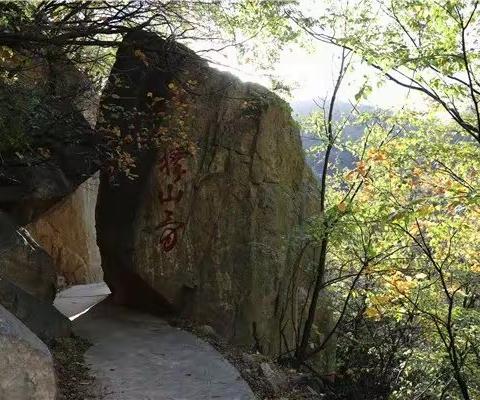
[(172, 170)]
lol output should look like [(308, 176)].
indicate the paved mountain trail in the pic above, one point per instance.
[(137, 356)]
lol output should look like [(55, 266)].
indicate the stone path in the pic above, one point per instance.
[(137, 356)]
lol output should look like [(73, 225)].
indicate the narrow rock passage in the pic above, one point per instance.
[(137, 356)]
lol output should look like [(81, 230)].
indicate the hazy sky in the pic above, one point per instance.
[(311, 75)]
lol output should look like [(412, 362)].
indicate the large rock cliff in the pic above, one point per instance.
[(210, 226), (67, 232), (48, 150)]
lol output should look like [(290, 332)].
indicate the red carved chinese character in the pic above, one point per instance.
[(171, 163), (164, 198), (168, 239), (169, 233), (169, 215)]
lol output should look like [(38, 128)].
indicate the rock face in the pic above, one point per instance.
[(47, 143), (26, 366), (40, 317), (67, 232), (209, 229), (24, 263), (27, 282), (49, 148)]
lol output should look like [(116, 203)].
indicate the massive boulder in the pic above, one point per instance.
[(26, 366), (49, 148), (212, 224), (40, 317), (27, 282), (67, 232), (47, 142)]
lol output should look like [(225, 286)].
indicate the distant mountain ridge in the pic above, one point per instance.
[(341, 158)]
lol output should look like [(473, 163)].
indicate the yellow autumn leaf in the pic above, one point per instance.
[(403, 286), (377, 155), (350, 176), (475, 268), (362, 168), (372, 313)]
